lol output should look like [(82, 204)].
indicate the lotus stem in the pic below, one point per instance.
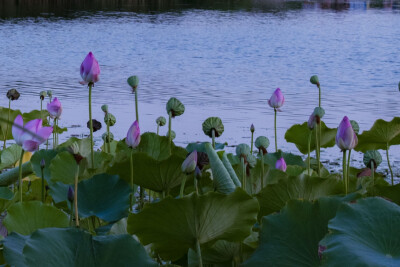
[(262, 168), (387, 156), (131, 195), (319, 146), (251, 147), (196, 184), (199, 253), (108, 136), (71, 215), (182, 187), (319, 100), (213, 137), (43, 190), (158, 128), (309, 158), (8, 122), (20, 175), (373, 172), (243, 173), (76, 198), (91, 124), (276, 141), (169, 127), (316, 149), (136, 106), (344, 171), (348, 170)]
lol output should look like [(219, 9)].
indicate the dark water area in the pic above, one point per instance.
[(220, 58)]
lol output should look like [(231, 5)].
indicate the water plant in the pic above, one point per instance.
[(174, 108), (161, 121), (55, 109), (372, 159), (252, 129), (133, 82), (213, 127), (262, 144), (188, 167), (12, 95), (132, 140), (276, 101)]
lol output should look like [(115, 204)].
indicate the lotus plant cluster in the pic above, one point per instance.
[(77, 204)]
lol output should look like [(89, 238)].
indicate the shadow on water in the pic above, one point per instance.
[(77, 8)]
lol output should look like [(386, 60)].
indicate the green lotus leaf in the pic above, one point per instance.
[(24, 218), (290, 159), (59, 130), (175, 225), (119, 227), (3, 122), (83, 146), (104, 196), (381, 135), (101, 164), (222, 180), (274, 196), (230, 169), (63, 168), (47, 156), (200, 147), (213, 123), (10, 156), (158, 147), (391, 193), (175, 107), (364, 234), (13, 246), (75, 247), (6, 193), (298, 134), (36, 114), (291, 237)]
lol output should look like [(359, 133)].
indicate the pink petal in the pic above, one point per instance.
[(30, 145), (29, 128), (18, 131), (44, 133)]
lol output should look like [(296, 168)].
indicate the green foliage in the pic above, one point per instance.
[(200, 147), (290, 159), (10, 156), (63, 168)]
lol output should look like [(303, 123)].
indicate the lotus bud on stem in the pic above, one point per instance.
[(252, 135), (262, 144), (188, 167), (276, 101)]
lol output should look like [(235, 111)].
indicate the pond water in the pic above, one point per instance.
[(220, 58)]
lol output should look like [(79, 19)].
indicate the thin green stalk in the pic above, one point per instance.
[(319, 146), (319, 101), (243, 173), (213, 138), (91, 125), (182, 187), (169, 127), (141, 195), (76, 198), (196, 184), (348, 170), (8, 120), (131, 195), (309, 158), (71, 215), (136, 106), (344, 171), (373, 172), (387, 156), (251, 147), (20, 175), (198, 249), (317, 150), (158, 128), (54, 134), (262, 168), (108, 136), (43, 190), (276, 141)]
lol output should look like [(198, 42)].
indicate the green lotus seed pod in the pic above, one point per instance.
[(110, 118), (173, 135), (43, 94), (319, 112), (161, 121), (262, 142), (213, 123), (133, 82), (314, 80), (105, 137), (372, 155), (252, 160), (13, 94), (175, 107), (104, 108), (356, 127), (242, 150)]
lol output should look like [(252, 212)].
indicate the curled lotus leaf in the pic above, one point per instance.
[(133, 81), (262, 142), (110, 118), (175, 107), (213, 123), (355, 126), (372, 155), (242, 150), (161, 121)]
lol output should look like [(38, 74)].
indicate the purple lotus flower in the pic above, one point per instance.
[(312, 121), (346, 138), (23, 134), (55, 109), (277, 99), (133, 135), (190, 163), (90, 69), (281, 164)]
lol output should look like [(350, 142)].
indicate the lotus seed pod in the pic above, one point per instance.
[(262, 142), (318, 113), (356, 127), (13, 94), (252, 160), (96, 125), (175, 107), (43, 94), (104, 108), (372, 155), (252, 129), (213, 123), (110, 118), (105, 137), (173, 135), (50, 93), (133, 82), (314, 80), (242, 150), (161, 121)]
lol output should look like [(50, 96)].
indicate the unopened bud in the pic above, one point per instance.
[(252, 128), (70, 194), (42, 164), (133, 82), (314, 80)]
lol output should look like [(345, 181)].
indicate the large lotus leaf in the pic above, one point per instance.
[(47, 156), (10, 156), (158, 147), (13, 246), (298, 134), (75, 247), (36, 114), (291, 237), (381, 134), (222, 180), (364, 234), (105, 196), (24, 218), (6, 193), (174, 225), (101, 164), (4, 124), (274, 196), (290, 159), (63, 168), (82, 145), (229, 168), (391, 193), (200, 147)]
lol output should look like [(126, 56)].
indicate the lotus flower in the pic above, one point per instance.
[(90, 69), (190, 163), (133, 135), (30, 135), (277, 99), (346, 138), (281, 164), (55, 109), (312, 121)]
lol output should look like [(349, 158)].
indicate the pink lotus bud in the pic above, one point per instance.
[(281, 164), (277, 99), (312, 121), (55, 109), (133, 135), (190, 163), (90, 69), (346, 138), (30, 135)]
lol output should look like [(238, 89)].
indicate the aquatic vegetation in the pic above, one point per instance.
[(276, 101)]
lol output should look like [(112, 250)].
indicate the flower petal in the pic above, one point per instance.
[(18, 131), (30, 145)]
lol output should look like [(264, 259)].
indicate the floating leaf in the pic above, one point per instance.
[(364, 234), (298, 134), (381, 134), (174, 225)]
